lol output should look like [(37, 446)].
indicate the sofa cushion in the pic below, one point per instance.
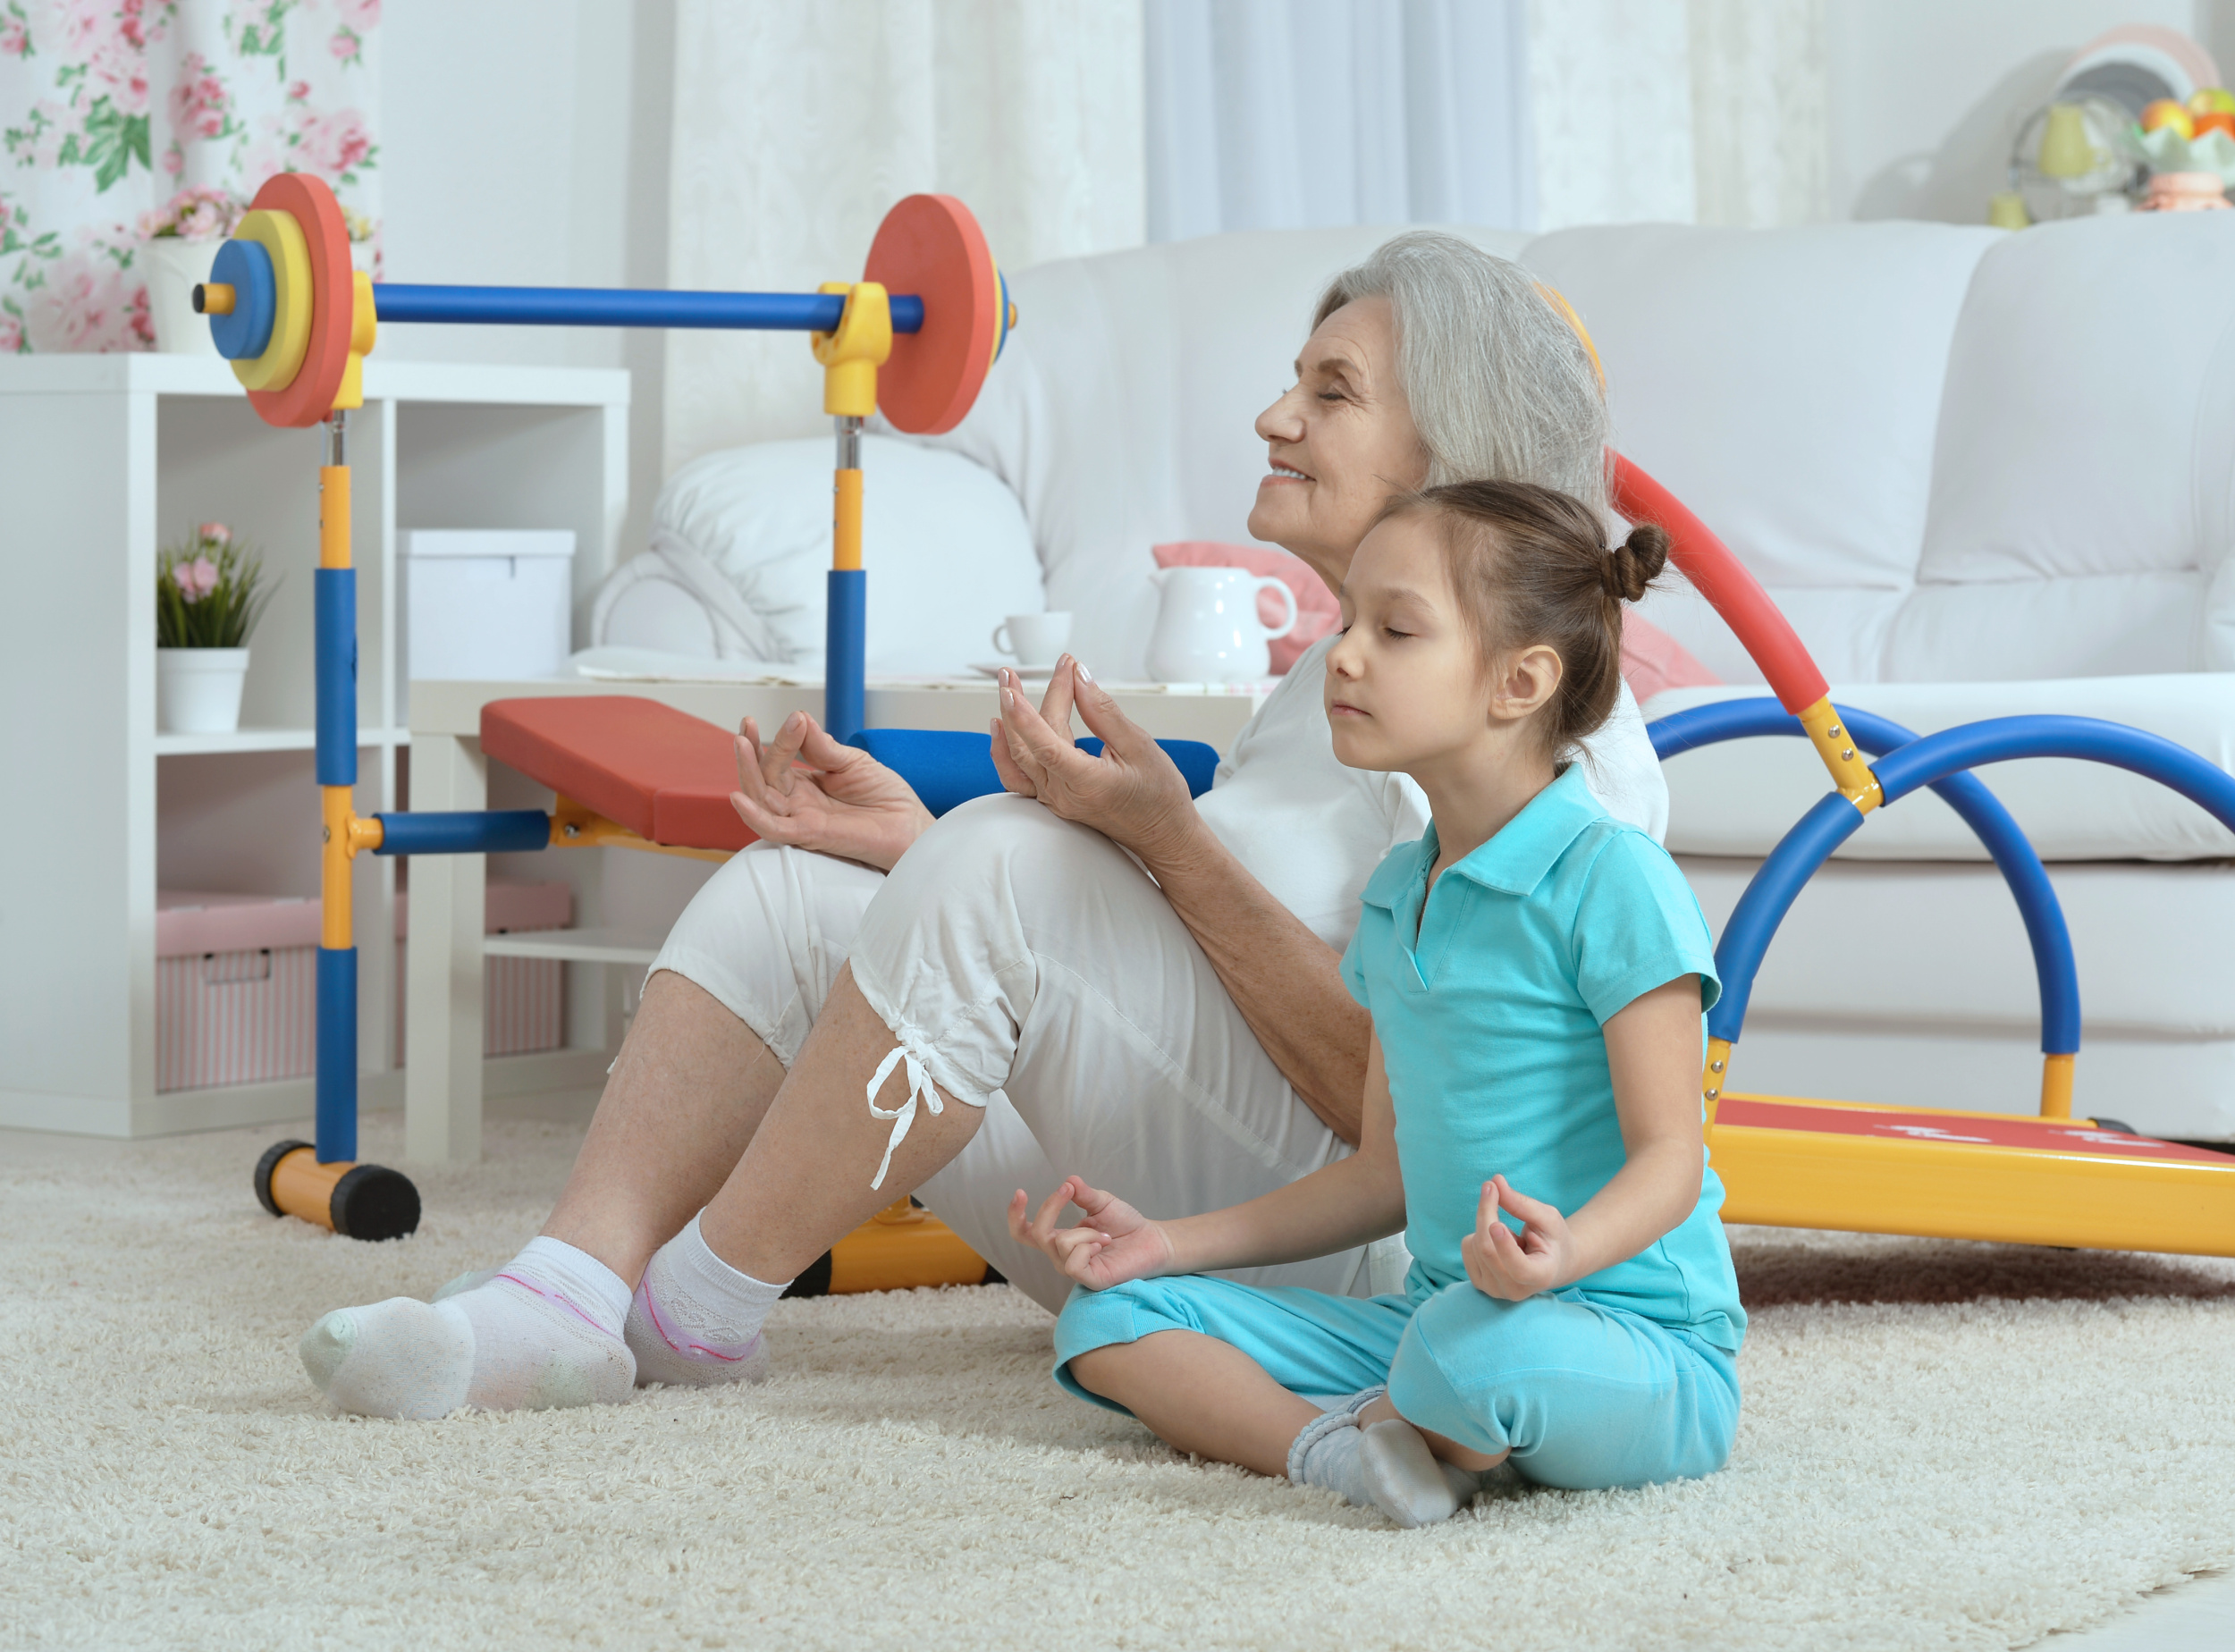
[(1740, 796), (1783, 384), (1847, 953), (947, 547), (2085, 455), (1653, 662)]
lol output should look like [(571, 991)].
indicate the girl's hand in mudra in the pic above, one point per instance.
[(1117, 1243), (806, 790), (1508, 1268)]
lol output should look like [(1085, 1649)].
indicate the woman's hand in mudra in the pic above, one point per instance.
[(1134, 794), (806, 790), (1117, 1242)]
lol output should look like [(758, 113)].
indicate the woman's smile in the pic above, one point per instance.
[(1283, 473)]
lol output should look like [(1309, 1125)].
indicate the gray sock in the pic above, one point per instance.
[(1386, 1467), (1402, 1476), (1325, 1453)]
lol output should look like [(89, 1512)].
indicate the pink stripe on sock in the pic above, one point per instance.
[(555, 1296), (652, 1312)]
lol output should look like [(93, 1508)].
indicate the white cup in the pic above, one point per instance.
[(1034, 639)]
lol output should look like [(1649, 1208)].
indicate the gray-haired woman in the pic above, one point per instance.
[(1094, 973)]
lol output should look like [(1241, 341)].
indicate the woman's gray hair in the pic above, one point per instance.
[(1500, 387)]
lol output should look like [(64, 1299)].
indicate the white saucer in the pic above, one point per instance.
[(1027, 671)]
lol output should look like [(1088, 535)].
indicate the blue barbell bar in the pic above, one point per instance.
[(624, 306)]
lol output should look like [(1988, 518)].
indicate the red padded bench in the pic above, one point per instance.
[(663, 774)]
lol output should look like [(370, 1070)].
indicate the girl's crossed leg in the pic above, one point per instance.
[(1576, 1393)]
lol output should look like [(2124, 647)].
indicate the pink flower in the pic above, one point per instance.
[(357, 15), (11, 334), (175, 160), (198, 104), (8, 216), (15, 38), (217, 532), (345, 46), (298, 91), (195, 579), (123, 67), (92, 300), (332, 144), (83, 23)]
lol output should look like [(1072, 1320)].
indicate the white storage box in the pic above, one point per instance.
[(236, 983), (486, 602)]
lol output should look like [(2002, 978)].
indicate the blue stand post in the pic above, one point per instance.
[(845, 647), (335, 640)]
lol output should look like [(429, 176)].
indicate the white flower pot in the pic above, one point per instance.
[(174, 268), (197, 690)]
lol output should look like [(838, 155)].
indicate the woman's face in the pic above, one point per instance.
[(1341, 442)]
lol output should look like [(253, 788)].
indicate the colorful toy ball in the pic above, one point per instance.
[(2165, 112), (2213, 100)]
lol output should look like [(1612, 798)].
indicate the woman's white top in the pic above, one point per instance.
[(1312, 831)]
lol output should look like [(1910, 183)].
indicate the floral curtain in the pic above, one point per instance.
[(108, 108)]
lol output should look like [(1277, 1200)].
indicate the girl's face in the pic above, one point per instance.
[(1406, 688), (1340, 442)]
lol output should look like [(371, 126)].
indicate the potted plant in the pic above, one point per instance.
[(181, 237), (209, 593)]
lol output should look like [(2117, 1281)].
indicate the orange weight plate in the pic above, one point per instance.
[(308, 397), (928, 245)]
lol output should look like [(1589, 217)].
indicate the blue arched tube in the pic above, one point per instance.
[(621, 306), (2089, 739), (2051, 940)]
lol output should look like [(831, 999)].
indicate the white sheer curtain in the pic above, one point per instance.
[(796, 126), (1295, 113)]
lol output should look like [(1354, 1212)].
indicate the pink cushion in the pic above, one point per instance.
[(1652, 659), (1317, 611)]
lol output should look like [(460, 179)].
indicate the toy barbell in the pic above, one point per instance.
[(916, 337)]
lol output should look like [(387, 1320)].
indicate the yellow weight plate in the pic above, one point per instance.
[(279, 234)]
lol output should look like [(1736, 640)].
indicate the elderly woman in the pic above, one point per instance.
[(1094, 973)]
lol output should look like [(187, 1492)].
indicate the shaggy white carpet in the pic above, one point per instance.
[(1944, 1445)]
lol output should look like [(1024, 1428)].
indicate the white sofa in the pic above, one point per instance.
[(1981, 472)]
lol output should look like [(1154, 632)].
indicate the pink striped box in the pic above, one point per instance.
[(236, 983)]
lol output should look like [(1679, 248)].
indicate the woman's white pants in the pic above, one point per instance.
[(1030, 966)]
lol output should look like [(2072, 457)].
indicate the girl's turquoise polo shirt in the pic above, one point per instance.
[(1488, 995)]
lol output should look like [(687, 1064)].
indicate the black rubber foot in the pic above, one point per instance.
[(2120, 1124), (816, 1281), (264, 1168), (372, 1201)]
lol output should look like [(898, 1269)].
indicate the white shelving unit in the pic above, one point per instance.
[(103, 458)]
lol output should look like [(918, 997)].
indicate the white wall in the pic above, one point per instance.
[(525, 143), (1909, 76)]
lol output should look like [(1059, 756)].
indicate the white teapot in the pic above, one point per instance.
[(1207, 628)]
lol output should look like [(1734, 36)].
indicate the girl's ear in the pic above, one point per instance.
[(1526, 681)]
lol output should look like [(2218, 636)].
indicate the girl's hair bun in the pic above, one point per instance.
[(1636, 562)]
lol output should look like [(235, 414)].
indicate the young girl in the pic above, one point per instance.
[(1537, 972)]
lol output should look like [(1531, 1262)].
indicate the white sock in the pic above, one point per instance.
[(1387, 1466), (695, 1320), (541, 1332)]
